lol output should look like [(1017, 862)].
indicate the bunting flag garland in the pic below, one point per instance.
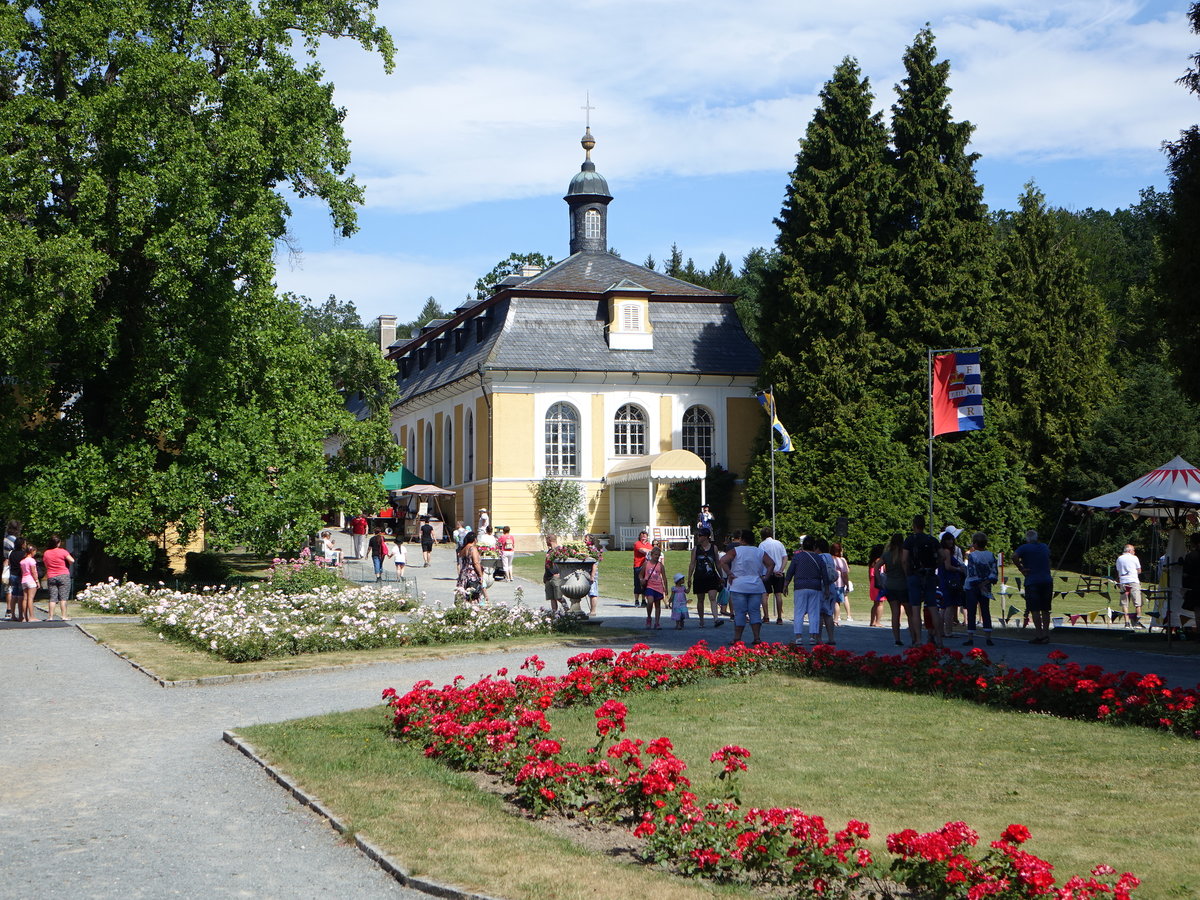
[(767, 399), (957, 392)]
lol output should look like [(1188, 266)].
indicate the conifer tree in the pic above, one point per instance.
[(939, 240), (1181, 237), (824, 295), (1050, 367)]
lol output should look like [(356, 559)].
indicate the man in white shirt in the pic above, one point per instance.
[(1129, 571), (774, 551), (484, 521)]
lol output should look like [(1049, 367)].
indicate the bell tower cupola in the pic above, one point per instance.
[(587, 199)]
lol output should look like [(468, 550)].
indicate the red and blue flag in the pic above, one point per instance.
[(957, 400)]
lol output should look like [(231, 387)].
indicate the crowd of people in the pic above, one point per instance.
[(927, 582), (24, 573)]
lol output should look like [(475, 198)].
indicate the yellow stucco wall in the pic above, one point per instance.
[(514, 435), (744, 418), (664, 424)]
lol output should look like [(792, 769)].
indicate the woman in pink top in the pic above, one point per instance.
[(29, 583), (58, 564), (654, 582)]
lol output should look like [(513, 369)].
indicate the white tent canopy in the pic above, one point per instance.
[(1171, 494), (1168, 492)]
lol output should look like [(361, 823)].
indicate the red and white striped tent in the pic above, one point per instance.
[(1171, 491), (1171, 494)]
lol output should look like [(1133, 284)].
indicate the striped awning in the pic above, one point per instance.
[(672, 466)]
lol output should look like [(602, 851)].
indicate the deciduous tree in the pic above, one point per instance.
[(155, 378)]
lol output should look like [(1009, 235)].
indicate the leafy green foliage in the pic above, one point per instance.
[(558, 503), (719, 485), (849, 466), (157, 378), (512, 265)]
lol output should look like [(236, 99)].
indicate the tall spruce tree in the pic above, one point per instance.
[(824, 296), (939, 239), (1050, 355), (822, 304)]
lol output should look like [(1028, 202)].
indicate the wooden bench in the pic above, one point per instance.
[(627, 535)]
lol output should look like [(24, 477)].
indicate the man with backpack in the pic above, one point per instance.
[(920, 566)]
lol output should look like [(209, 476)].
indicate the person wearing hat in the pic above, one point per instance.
[(705, 519), (679, 601), (484, 521)]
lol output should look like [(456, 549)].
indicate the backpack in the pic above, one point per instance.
[(924, 555)]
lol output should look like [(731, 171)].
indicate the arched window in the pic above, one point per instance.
[(562, 441), (429, 453), (469, 454), (591, 223), (629, 431), (698, 431), (448, 453)]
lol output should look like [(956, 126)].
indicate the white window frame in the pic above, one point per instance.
[(555, 453), (704, 432), (591, 224), (630, 430)]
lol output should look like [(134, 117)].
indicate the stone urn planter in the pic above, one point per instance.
[(575, 576), (490, 564)]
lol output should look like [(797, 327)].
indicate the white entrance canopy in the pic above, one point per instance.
[(665, 468)]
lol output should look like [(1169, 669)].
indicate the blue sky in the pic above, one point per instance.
[(467, 148)]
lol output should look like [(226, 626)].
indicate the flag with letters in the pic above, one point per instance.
[(957, 401), (767, 399)]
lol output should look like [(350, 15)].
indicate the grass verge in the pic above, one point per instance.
[(174, 661), (1090, 793), (437, 824)]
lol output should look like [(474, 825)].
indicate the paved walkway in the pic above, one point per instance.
[(111, 786)]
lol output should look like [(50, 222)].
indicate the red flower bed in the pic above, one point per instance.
[(499, 725)]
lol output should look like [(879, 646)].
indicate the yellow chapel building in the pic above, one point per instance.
[(594, 369)]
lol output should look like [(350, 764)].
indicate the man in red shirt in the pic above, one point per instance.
[(641, 547), (358, 528)]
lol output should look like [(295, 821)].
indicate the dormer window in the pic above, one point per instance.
[(629, 323)]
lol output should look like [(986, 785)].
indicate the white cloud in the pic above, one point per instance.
[(485, 101)]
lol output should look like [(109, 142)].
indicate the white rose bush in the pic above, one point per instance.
[(244, 624)]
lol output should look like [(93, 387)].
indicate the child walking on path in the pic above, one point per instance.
[(679, 601)]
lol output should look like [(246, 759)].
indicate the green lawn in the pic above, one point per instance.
[(1090, 793), (174, 661)]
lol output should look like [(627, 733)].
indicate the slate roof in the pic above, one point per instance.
[(569, 336), (556, 321), (597, 272)]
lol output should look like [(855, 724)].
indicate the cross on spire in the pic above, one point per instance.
[(587, 108)]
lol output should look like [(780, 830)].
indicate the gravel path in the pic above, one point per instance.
[(111, 786)]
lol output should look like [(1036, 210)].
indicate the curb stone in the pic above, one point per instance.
[(366, 848)]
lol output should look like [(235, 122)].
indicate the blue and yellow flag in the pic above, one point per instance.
[(767, 399)]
